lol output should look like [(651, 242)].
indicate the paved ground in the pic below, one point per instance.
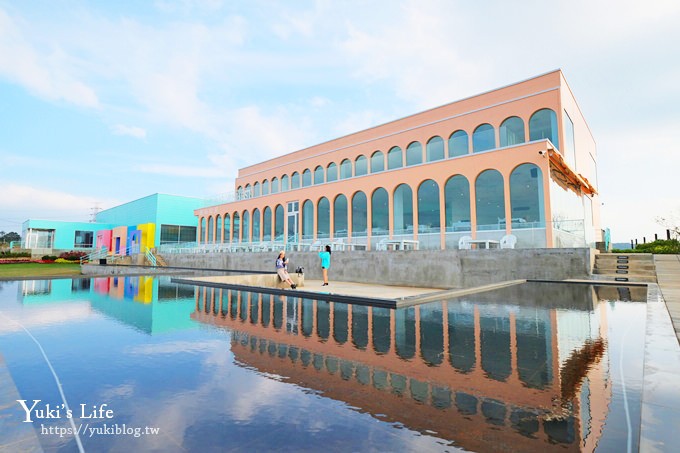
[(668, 276), (366, 290)]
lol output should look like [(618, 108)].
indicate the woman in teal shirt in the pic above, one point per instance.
[(325, 263)]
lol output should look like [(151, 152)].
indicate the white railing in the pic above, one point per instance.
[(151, 257)]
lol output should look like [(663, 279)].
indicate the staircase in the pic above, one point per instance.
[(632, 267), (153, 259)]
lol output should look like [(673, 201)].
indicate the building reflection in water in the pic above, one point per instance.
[(150, 304), (506, 368)]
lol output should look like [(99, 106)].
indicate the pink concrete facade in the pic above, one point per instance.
[(529, 157)]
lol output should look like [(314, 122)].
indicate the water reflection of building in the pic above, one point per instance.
[(482, 374), (151, 304)]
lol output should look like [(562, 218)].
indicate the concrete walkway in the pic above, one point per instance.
[(668, 276)]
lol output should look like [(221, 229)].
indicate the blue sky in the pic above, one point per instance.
[(188, 91)]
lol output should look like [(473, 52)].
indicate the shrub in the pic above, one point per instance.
[(660, 247), (72, 255), (62, 260), (48, 258), (9, 254)]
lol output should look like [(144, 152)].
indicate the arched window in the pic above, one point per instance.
[(306, 178), (332, 172), (318, 175), (295, 180), (227, 228), (361, 166), (394, 158), (218, 229), (308, 220), (239, 193), (402, 209), (247, 192), (377, 162), (275, 185), (267, 224), (405, 332), (345, 169), (265, 187), (483, 138), (323, 218), (359, 214), (490, 202), (380, 213), (278, 223), (543, 124), (210, 239), (431, 335), (256, 189), (414, 154), (340, 217), (204, 230), (284, 183), (237, 228), (256, 225), (435, 149), (457, 202), (512, 131), (428, 207), (246, 226), (458, 144), (526, 196)]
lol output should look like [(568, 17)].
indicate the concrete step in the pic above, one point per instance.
[(614, 266), (625, 278)]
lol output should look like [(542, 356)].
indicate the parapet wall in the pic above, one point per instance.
[(427, 268)]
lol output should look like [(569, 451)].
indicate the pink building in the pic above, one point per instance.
[(516, 162)]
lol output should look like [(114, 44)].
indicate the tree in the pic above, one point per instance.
[(9, 237), (671, 222)]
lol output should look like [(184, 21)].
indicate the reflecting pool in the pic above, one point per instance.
[(149, 365)]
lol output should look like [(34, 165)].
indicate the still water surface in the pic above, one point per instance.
[(149, 365)]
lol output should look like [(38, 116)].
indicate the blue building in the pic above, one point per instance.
[(146, 222)]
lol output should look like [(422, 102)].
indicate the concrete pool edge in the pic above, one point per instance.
[(660, 412)]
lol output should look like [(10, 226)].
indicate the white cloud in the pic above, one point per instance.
[(47, 72), (20, 197), (183, 171), (132, 131)]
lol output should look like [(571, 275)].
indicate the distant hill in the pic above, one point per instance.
[(621, 245)]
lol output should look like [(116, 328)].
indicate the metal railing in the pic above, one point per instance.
[(151, 257)]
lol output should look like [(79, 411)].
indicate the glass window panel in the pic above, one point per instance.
[(405, 332), (483, 138), (458, 144), (360, 166), (345, 169), (218, 229), (278, 224), (340, 217), (377, 162), (204, 230), (380, 213), (237, 227), (332, 172), (403, 209), (526, 196), (543, 124), (284, 183), (428, 207), (267, 224), (414, 154), (275, 185), (209, 238), (227, 228), (256, 189), (256, 225), (318, 175), (394, 158), (457, 202), (570, 145), (308, 220), (265, 187), (323, 230), (512, 131), (246, 226), (306, 178), (295, 181), (490, 202), (435, 149), (359, 214)]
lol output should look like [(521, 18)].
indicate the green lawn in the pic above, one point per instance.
[(39, 270)]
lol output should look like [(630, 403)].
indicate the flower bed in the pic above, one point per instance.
[(15, 260)]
